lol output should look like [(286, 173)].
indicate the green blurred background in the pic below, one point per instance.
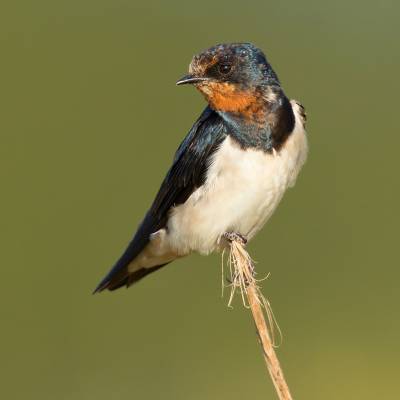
[(90, 119)]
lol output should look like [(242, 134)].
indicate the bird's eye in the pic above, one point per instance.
[(225, 68)]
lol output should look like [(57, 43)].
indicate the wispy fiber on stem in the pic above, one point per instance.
[(242, 272)]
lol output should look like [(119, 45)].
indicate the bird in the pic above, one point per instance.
[(231, 170)]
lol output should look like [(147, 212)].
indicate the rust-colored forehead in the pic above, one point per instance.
[(201, 62), (222, 52)]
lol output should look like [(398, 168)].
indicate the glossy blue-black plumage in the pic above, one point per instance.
[(186, 174), (263, 119)]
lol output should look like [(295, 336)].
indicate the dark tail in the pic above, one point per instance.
[(119, 275), (126, 279)]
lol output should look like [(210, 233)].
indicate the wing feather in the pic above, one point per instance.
[(187, 173)]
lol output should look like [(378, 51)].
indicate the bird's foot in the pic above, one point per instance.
[(235, 236)]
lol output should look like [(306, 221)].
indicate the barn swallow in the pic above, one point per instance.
[(231, 170)]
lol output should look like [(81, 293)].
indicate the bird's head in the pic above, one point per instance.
[(232, 77)]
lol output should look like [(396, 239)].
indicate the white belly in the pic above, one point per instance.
[(242, 190)]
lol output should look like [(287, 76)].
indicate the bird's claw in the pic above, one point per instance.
[(235, 236)]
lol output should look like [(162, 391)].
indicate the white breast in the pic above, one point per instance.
[(242, 190)]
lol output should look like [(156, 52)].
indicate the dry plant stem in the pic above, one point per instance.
[(270, 357), (243, 262)]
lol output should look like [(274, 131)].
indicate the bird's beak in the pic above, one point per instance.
[(190, 79)]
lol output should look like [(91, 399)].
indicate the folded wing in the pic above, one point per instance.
[(187, 173)]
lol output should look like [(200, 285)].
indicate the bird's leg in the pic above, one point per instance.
[(235, 236), (231, 236)]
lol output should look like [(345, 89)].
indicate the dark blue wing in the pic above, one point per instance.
[(188, 172)]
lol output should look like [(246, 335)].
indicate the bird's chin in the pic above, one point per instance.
[(204, 87)]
